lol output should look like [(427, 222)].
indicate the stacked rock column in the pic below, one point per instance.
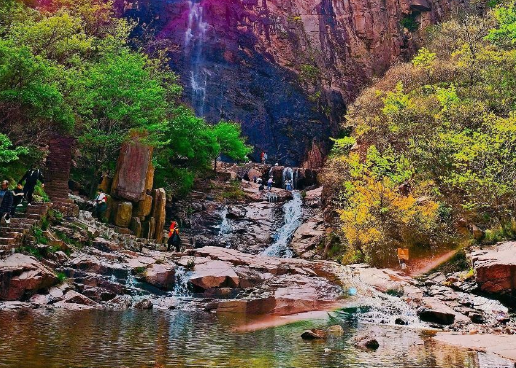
[(57, 174), (134, 206)]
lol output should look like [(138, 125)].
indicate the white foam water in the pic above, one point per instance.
[(293, 213)]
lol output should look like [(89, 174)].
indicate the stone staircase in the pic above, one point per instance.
[(12, 235)]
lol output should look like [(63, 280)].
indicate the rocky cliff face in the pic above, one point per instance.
[(285, 69)]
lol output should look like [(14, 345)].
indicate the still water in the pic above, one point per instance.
[(97, 339)]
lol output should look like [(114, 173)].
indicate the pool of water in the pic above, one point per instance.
[(97, 339)]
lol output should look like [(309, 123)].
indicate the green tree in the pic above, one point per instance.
[(227, 135)]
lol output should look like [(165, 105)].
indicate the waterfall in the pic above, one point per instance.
[(131, 285), (182, 277), (293, 213), (195, 35), (288, 174), (225, 226)]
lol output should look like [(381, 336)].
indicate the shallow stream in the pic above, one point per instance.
[(97, 339)]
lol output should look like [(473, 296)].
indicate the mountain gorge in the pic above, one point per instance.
[(284, 69)]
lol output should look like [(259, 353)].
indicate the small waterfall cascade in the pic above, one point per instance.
[(181, 289), (195, 36), (288, 174), (225, 226), (295, 181), (131, 285), (293, 213)]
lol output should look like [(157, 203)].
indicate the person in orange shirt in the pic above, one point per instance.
[(173, 237)]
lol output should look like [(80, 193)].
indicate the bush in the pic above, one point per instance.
[(433, 143)]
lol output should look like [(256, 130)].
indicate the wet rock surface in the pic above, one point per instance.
[(222, 270)]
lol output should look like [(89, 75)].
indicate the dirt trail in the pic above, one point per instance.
[(420, 266)]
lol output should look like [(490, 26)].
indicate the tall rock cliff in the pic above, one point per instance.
[(285, 69)]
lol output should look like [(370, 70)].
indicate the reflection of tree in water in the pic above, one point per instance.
[(189, 339)]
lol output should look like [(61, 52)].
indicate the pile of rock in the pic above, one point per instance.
[(133, 205)]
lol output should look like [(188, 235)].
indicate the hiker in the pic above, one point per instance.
[(264, 158), (288, 185), (18, 198), (261, 156), (31, 178), (100, 205), (6, 202), (269, 183), (173, 237)]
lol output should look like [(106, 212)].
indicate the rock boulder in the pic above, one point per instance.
[(123, 214), (495, 268), (22, 275), (214, 274), (161, 276), (132, 171)]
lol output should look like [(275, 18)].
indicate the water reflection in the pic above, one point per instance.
[(186, 339)]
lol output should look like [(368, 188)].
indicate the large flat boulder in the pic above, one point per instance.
[(214, 274), (22, 275), (495, 268), (161, 276)]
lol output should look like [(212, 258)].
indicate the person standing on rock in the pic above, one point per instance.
[(31, 178), (173, 237), (100, 205), (6, 202), (264, 158), (269, 184)]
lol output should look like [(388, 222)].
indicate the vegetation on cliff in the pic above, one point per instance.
[(433, 145), (67, 66)]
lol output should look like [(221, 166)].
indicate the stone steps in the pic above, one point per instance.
[(12, 235), (8, 241)]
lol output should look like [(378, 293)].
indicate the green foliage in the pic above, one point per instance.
[(424, 59), (435, 143), (39, 235), (188, 146), (227, 135), (67, 66), (61, 277), (409, 22), (8, 154), (505, 33), (309, 73), (30, 88)]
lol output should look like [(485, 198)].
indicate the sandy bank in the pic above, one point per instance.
[(502, 345)]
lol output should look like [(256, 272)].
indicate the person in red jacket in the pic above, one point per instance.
[(173, 237)]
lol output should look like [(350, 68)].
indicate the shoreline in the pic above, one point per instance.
[(501, 345)]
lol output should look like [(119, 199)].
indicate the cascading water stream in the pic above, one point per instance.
[(195, 35), (181, 289), (225, 226), (288, 174), (293, 213)]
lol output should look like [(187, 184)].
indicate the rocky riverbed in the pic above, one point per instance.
[(224, 271)]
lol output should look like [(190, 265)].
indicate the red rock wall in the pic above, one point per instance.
[(285, 69)]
